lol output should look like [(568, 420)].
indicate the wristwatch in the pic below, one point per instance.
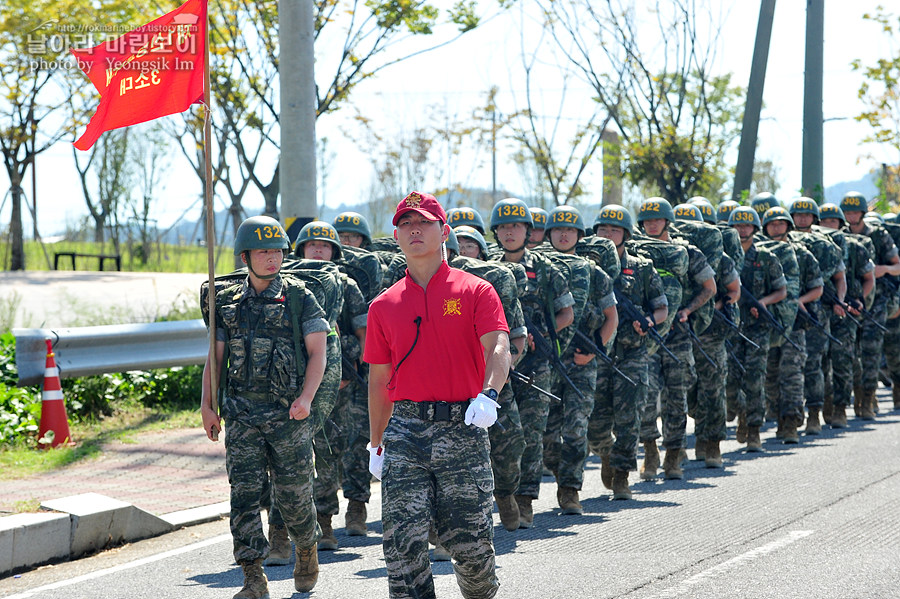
[(492, 393)]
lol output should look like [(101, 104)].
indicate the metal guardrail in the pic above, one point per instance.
[(83, 351)]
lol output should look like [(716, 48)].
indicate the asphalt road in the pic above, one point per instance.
[(817, 520)]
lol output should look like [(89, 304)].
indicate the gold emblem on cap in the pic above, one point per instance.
[(413, 200)]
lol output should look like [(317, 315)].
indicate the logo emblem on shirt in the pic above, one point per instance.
[(413, 200), (452, 307)]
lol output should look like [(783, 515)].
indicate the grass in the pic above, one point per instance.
[(19, 461)]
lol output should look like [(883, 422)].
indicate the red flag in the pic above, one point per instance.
[(153, 71)]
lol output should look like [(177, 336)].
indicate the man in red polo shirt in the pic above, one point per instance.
[(438, 349)]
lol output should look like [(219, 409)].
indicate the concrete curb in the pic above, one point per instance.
[(74, 526)]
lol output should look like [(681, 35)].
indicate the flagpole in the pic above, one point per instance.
[(210, 227)]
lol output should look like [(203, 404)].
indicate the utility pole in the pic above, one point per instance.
[(743, 175), (297, 173), (811, 170)]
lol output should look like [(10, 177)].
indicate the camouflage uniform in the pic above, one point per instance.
[(566, 438), (892, 337), (762, 274), (508, 440), (871, 338), (674, 379), (706, 400), (333, 442), (545, 285), (263, 378), (614, 426), (784, 372)]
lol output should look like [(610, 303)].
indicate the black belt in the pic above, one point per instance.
[(437, 411)]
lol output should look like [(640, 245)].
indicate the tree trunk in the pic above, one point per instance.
[(17, 253)]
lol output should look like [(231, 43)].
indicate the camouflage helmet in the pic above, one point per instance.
[(469, 232), (744, 215), (831, 211), (353, 222), (655, 208), (452, 243), (688, 212), (763, 201), (875, 216), (260, 233), (725, 209), (854, 202), (465, 216), (510, 210), (777, 213), (565, 216), (804, 205), (539, 218), (707, 212), (321, 231), (616, 216)]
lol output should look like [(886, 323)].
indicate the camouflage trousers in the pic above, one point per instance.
[(892, 349), (667, 391), (744, 390), (329, 444), (837, 366), (533, 409), (565, 440), (507, 444), (355, 460), (614, 426), (817, 343), (706, 399), (784, 378), (261, 438), (436, 473), (870, 341)]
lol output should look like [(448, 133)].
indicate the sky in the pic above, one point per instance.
[(456, 80)]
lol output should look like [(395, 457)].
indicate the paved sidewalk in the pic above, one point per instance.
[(160, 472)]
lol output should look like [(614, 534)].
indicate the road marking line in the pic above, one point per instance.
[(684, 587), (121, 567)]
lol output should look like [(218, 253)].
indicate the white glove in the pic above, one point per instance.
[(376, 460), (482, 411)]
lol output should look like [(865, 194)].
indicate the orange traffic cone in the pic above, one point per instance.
[(53, 406)]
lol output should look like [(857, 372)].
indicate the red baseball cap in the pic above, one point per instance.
[(423, 203)]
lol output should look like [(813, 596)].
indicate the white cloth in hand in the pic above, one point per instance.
[(376, 460), (482, 411)]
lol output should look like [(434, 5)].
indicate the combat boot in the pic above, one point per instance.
[(279, 546), (355, 519), (713, 457), (839, 417), (858, 395), (895, 393), (813, 426), (526, 514), (651, 462), (672, 464), (256, 585), (568, 501), (828, 408), (789, 435), (328, 542), (866, 404), (607, 471), (699, 450), (620, 485), (741, 432), (509, 511), (753, 442), (779, 432), (306, 569)]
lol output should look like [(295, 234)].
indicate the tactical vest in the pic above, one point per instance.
[(671, 261), (577, 272), (365, 268), (634, 283), (731, 243), (785, 310)]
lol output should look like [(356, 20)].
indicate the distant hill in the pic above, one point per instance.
[(865, 186)]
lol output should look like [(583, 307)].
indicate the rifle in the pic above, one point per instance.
[(859, 306), (745, 294), (635, 314), (349, 367), (528, 380), (686, 326), (730, 349), (543, 350), (721, 314), (832, 297), (585, 342), (815, 322)]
